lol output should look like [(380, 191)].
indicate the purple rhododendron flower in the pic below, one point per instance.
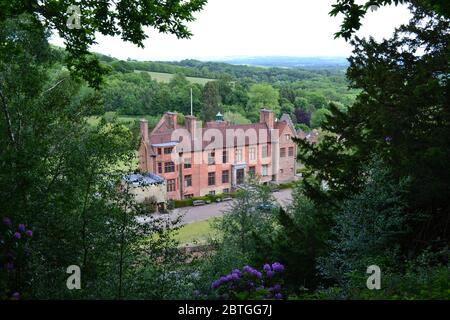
[(29, 233), (16, 296), (235, 276), (267, 267), (215, 284), (270, 274), (277, 288), (277, 267), (388, 139), (237, 271), (21, 227), (278, 296), (17, 235), (248, 269), (7, 221)]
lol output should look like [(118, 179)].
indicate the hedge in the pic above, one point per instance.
[(189, 202)]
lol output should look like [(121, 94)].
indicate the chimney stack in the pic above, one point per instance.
[(266, 116), (144, 130), (171, 119), (190, 122)]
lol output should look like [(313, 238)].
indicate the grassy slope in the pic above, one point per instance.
[(166, 77), (196, 232)]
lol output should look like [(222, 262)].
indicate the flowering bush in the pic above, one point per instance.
[(250, 283), (13, 252)]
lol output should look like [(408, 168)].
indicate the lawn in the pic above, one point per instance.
[(94, 120), (166, 77), (196, 232)]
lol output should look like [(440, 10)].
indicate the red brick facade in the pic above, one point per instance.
[(192, 159)]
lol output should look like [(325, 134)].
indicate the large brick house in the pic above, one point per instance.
[(216, 158)]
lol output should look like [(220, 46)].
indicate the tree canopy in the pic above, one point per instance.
[(125, 18)]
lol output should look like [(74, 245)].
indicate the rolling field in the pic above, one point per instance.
[(166, 77)]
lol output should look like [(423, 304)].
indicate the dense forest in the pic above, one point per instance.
[(374, 194), (236, 91)]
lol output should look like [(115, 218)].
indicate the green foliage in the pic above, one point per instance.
[(369, 227), (207, 199), (354, 13), (236, 118), (211, 101), (423, 278), (303, 127), (156, 87), (306, 225), (262, 96), (401, 116), (58, 176), (319, 117), (126, 18)]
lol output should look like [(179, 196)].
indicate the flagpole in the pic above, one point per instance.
[(192, 113)]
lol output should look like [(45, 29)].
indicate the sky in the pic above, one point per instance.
[(242, 28)]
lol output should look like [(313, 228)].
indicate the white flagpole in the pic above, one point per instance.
[(192, 112)]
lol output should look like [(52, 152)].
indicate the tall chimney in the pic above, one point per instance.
[(171, 119), (266, 116), (190, 123), (144, 130)]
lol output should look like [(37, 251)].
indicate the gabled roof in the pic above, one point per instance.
[(286, 118)]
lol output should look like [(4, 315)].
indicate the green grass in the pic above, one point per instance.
[(94, 120), (196, 232), (166, 77)]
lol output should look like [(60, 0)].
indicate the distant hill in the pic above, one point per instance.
[(257, 69), (316, 63), (166, 77)]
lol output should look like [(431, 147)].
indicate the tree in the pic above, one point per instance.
[(319, 117), (211, 100), (354, 13), (368, 227), (262, 96), (235, 118), (126, 18), (302, 117), (61, 179), (402, 116)]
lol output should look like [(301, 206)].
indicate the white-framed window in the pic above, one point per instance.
[(265, 170), (238, 155), (252, 153), (264, 151)]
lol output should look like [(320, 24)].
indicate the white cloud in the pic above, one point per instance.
[(256, 28)]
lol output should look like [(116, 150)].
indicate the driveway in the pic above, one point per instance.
[(200, 213)]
